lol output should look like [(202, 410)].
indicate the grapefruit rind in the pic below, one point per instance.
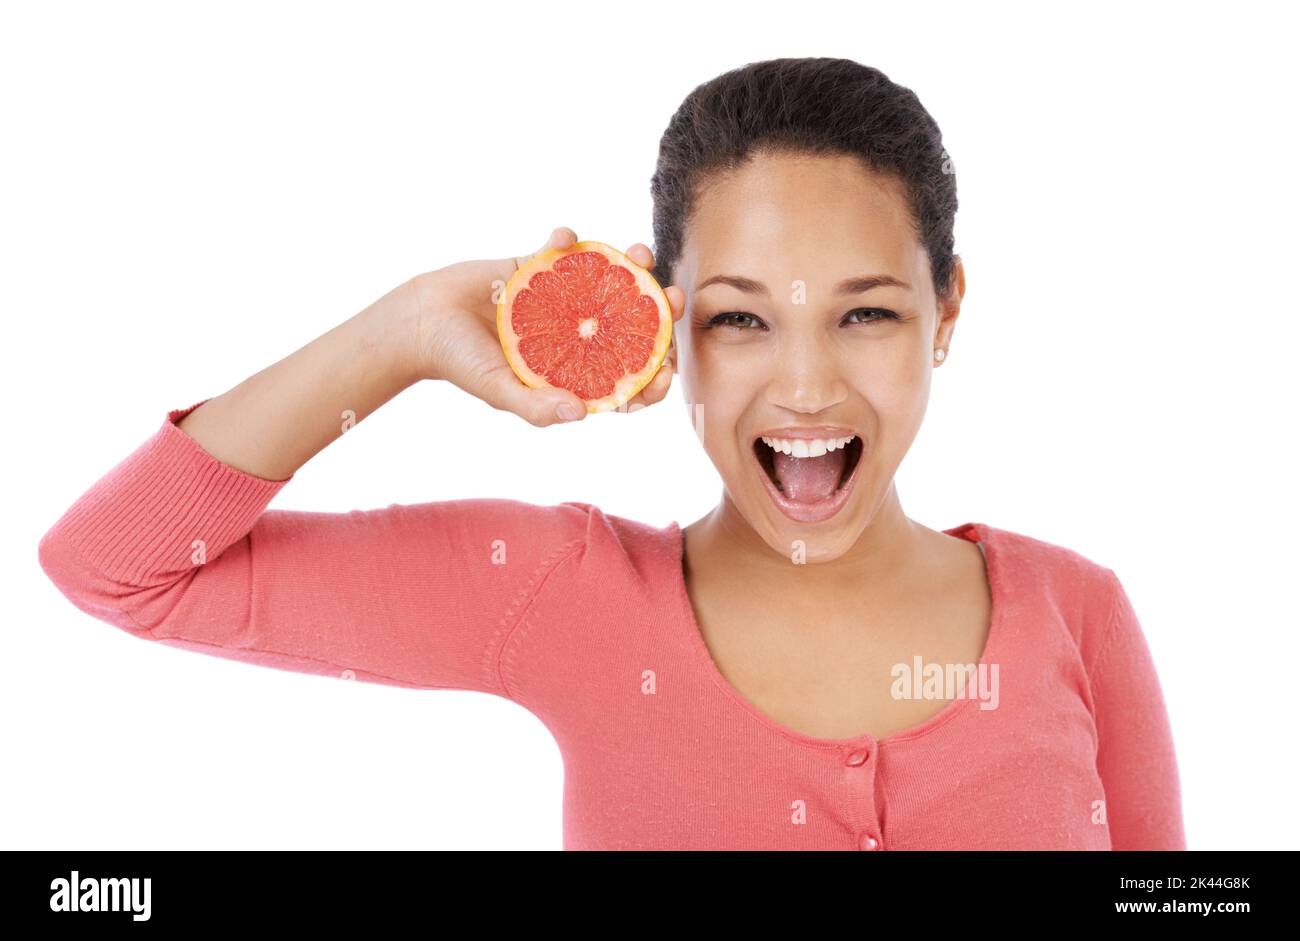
[(629, 385)]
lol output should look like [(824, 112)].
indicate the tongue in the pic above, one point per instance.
[(809, 479)]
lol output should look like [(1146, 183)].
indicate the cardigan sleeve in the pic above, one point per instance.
[(174, 546), (1135, 754)]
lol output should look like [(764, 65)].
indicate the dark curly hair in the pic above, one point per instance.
[(811, 105)]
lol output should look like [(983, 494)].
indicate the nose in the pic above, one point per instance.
[(806, 377)]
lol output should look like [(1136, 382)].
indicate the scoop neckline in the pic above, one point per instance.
[(978, 533)]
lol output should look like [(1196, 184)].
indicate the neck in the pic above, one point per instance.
[(880, 553)]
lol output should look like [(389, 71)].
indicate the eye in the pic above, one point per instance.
[(739, 320), (728, 320), (873, 314)]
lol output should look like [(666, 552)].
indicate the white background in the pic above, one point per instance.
[(191, 192)]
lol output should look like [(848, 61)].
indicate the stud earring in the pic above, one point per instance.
[(940, 354)]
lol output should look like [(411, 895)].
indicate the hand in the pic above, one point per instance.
[(458, 342)]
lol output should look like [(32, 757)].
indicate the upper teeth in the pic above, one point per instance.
[(804, 447)]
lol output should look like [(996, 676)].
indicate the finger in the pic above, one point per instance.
[(655, 391), (640, 253), (562, 237), (676, 301)]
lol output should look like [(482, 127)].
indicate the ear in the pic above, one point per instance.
[(950, 304), (957, 284)]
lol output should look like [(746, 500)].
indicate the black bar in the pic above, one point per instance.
[(337, 890)]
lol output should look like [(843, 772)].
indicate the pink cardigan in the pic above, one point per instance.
[(583, 619)]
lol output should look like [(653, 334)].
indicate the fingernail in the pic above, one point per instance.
[(566, 412)]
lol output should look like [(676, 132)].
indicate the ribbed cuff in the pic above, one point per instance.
[(168, 506)]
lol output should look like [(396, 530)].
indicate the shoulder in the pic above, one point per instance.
[(579, 534), (1082, 591), (630, 547), (1068, 569)]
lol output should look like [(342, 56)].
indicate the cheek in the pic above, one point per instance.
[(717, 398), (724, 378), (897, 386)]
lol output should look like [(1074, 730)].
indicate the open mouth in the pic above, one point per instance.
[(809, 482)]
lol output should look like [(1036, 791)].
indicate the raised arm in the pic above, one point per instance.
[(1135, 755), (176, 544)]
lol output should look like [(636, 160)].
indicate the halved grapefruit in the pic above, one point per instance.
[(588, 319)]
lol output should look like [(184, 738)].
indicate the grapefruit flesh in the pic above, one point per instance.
[(588, 319)]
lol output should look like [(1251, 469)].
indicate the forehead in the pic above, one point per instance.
[(783, 216)]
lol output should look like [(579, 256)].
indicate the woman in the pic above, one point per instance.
[(803, 668)]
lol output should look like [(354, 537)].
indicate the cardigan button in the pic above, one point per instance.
[(868, 842), (855, 758)]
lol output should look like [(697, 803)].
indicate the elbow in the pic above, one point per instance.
[(88, 589), (55, 559)]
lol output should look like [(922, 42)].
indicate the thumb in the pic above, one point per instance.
[(539, 407)]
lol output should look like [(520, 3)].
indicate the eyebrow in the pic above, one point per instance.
[(847, 286)]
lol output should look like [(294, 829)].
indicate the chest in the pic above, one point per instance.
[(840, 667), (676, 756)]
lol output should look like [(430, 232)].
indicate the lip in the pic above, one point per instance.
[(816, 512), (809, 434)]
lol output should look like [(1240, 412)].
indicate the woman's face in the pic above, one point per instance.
[(810, 308)]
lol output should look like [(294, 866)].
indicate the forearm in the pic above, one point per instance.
[(276, 420)]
